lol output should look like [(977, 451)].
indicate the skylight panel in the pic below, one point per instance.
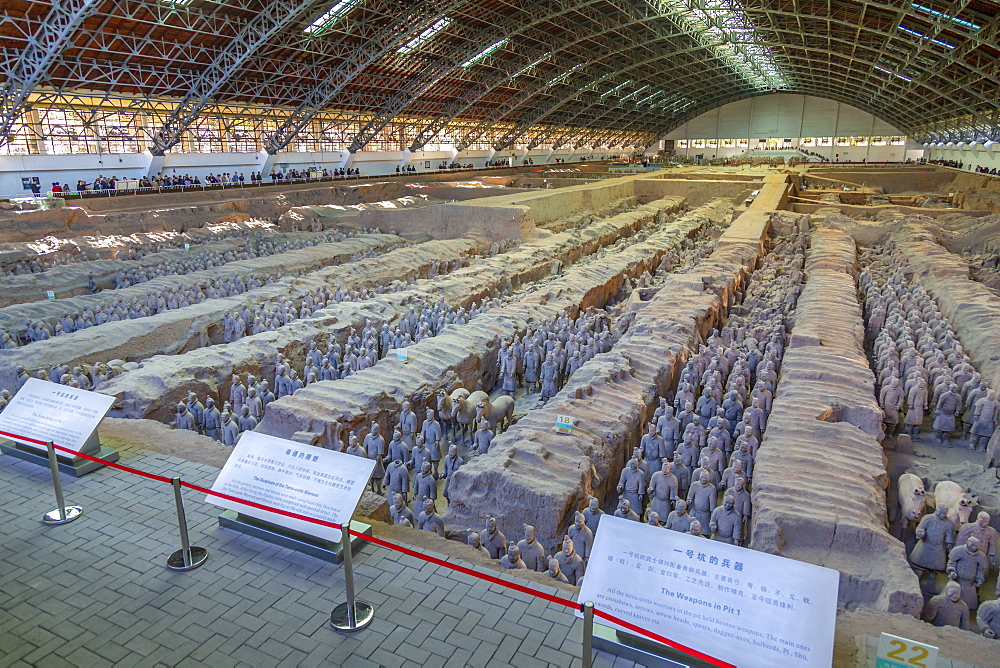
[(635, 92), (939, 42), (328, 18), (565, 74), (485, 52), (532, 64), (648, 98), (426, 36), (624, 83), (941, 15), (723, 27), (898, 76)]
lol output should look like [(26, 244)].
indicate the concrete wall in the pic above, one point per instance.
[(833, 153), (696, 192), (930, 179), (971, 157), (550, 205)]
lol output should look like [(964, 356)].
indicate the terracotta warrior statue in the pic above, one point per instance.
[(532, 551), (493, 539)]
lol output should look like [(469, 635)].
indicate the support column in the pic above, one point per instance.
[(266, 161), (154, 163), (407, 154), (35, 127)]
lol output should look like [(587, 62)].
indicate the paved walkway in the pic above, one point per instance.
[(96, 592)]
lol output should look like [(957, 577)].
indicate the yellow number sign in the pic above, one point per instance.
[(896, 652)]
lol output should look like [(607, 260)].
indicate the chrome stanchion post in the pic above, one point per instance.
[(352, 615), (187, 557), (63, 514), (588, 634)]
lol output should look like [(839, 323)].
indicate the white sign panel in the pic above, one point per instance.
[(294, 477), (48, 411), (744, 607)]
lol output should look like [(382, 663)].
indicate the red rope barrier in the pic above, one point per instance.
[(467, 571), (390, 546), (114, 465)]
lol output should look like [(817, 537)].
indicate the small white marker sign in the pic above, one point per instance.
[(48, 411), (564, 424), (50, 294)]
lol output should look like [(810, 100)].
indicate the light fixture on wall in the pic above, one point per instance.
[(990, 144)]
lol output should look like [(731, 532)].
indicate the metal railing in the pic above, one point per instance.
[(265, 183)]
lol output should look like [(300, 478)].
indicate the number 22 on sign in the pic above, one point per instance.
[(896, 652)]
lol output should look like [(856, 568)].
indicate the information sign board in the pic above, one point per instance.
[(50, 294), (896, 652), (744, 607), (402, 355), (48, 411), (297, 478)]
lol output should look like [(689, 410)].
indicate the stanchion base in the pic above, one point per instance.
[(642, 650), (175, 561), (276, 535), (364, 613), (75, 466), (69, 514)]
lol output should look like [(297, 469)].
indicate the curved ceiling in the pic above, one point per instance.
[(631, 70)]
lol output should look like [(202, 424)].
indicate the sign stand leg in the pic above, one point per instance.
[(588, 634), (352, 615), (63, 514), (188, 557)]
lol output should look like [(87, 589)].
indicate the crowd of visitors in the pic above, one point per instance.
[(958, 164)]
